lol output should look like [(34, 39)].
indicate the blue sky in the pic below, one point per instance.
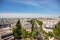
[(27, 7)]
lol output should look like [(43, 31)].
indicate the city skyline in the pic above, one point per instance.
[(26, 15)]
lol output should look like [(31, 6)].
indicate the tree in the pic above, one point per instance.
[(19, 25), (46, 38), (50, 34), (57, 31), (24, 33), (32, 22), (17, 30), (40, 23), (15, 33), (33, 33)]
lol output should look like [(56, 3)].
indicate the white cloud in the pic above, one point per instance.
[(39, 3)]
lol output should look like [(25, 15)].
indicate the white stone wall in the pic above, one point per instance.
[(0, 36)]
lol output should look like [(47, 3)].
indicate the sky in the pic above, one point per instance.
[(29, 8)]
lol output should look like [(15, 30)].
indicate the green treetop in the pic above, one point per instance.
[(17, 30), (57, 31), (18, 24)]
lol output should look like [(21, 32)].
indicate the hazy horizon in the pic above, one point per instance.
[(26, 15)]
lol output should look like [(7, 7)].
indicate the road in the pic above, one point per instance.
[(39, 35)]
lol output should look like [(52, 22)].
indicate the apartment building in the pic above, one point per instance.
[(26, 25), (6, 34), (49, 25)]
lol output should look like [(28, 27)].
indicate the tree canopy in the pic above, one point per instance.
[(57, 31), (17, 30)]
